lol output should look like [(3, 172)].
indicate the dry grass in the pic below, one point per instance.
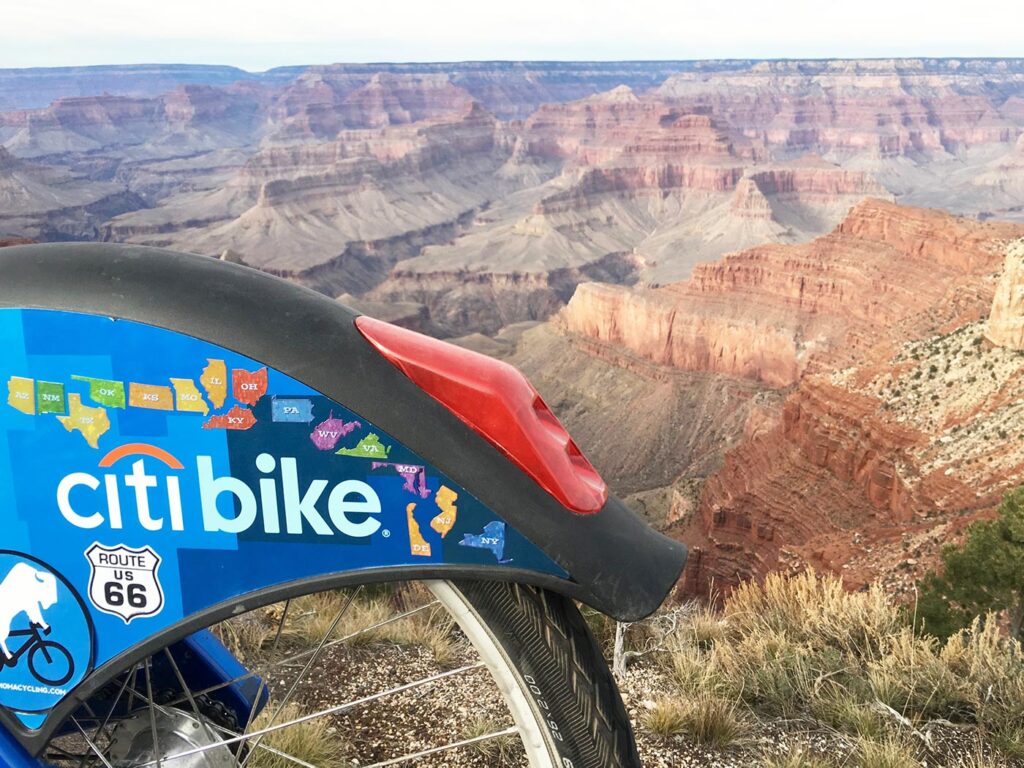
[(247, 635), (803, 648), (311, 617), (796, 758), (885, 753), (707, 719), (601, 626), (315, 742), (913, 678), (714, 722), (979, 760), (666, 717), (498, 751)]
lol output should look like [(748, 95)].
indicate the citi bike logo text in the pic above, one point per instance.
[(228, 504)]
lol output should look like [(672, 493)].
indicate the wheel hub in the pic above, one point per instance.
[(177, 733)]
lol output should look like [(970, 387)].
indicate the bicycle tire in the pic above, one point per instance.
[(537, 648), (549, 643)]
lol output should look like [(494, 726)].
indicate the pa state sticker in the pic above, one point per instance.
[(124, 581)]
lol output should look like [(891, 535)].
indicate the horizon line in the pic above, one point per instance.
[(451, 62)]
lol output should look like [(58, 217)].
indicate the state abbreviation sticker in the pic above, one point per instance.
[(124, 581)]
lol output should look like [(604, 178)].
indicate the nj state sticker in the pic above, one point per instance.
[(124, 581), (46, 638)]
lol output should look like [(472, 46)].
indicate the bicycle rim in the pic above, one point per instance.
[(374, 676)]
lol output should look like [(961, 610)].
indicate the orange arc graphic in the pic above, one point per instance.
[(141, 449)]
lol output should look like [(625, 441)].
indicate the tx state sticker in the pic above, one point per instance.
[(124, 581)]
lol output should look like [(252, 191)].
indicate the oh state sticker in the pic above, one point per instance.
[(124, 581)]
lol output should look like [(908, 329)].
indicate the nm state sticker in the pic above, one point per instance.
[(46, 638)]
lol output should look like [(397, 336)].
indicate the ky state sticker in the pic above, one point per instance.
[(124, 581)]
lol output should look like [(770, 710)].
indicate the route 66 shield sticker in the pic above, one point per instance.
[(124, 581)]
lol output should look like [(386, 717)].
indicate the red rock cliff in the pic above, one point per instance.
[(769, 312)]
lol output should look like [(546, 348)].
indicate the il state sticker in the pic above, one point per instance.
[(125, 581), (46, 638)]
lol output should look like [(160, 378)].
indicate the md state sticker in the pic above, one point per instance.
[(46, 637)]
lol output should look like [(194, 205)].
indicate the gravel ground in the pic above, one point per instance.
[(439, 713), (418, 719)]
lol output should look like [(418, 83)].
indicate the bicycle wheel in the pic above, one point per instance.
[(50, 663), (421, 673)]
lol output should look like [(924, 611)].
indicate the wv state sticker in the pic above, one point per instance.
[(46, 638), (124, 581)]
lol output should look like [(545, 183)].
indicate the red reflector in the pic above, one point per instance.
[(499, 403)]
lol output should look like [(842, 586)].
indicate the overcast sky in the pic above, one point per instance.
[(258, 34)]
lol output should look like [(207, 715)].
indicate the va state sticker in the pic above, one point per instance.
[(46, 638), (124, 581)]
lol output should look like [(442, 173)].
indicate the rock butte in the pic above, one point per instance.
[(1005, 326), (886, 421)]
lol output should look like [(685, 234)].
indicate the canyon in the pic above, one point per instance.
[(780, 304), (485, 192), (882, 394)]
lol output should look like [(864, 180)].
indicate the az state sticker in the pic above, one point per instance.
[(124, 581)]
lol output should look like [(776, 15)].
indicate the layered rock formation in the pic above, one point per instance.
[(1005, 326), (835, 348), (883, 108), (492, 189), (337, 215), (319, 106), (769, 312), (188, 119), (49, 203), (38, 87), (899, 415)]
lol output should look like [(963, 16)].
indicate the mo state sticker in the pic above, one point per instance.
[(124, 581), (46, 637)]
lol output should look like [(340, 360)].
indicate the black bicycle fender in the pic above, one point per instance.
[(615, 562)]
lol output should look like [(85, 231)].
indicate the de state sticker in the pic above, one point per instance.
[(124, 581)]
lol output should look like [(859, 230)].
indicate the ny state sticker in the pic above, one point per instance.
[(124, 581)]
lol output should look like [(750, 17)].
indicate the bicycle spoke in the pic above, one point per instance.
[(152, 712), (184, 685), (338, 709), (204, 721), (263, 670), (299, 678), (106, 720), (446, 748), (345, 692), (92, 745), (280, 624)]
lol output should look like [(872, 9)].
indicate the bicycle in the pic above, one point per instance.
[(36, 645), (276, 496)]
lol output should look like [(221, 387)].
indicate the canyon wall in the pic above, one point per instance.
[(896, 421), (768, 312), (404, 179)]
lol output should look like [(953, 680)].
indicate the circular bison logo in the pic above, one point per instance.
[(46, 638)]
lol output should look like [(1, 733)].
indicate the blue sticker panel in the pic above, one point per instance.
[(156, 475)]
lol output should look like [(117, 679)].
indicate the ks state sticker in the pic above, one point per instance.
[(124, 581)]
